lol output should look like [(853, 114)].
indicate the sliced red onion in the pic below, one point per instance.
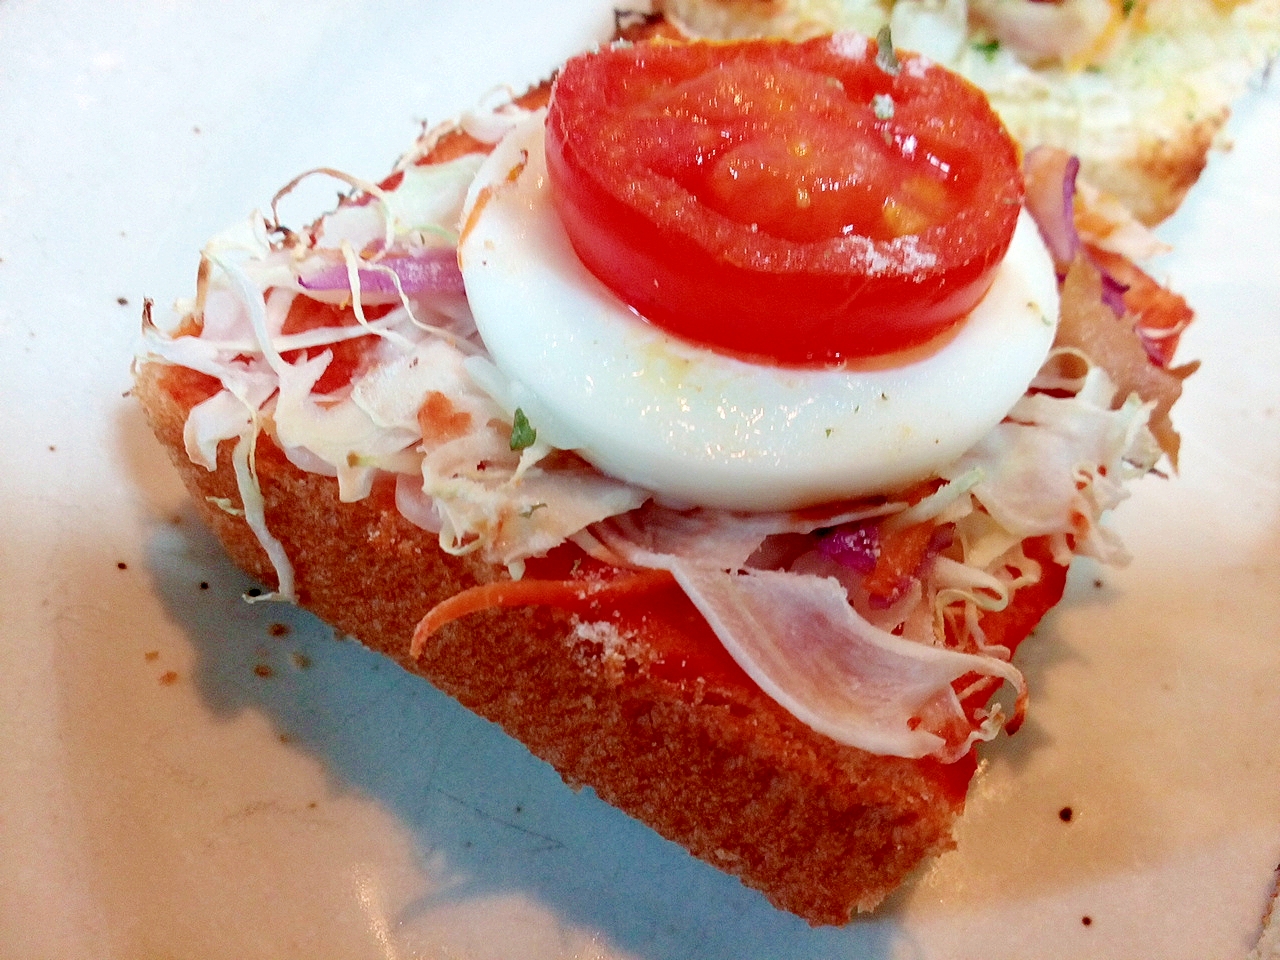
[(1050, 176), (942, 538), (1113, 292), (856, 547), (432, 271)]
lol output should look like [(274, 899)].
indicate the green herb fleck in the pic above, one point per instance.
[(886, 57), (830, 430), (988, 49), (522, 435), (528, 511)]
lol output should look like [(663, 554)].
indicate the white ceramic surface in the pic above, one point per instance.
[(182, 775)]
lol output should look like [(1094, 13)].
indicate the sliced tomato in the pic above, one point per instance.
[(307, 314), (799, 204)]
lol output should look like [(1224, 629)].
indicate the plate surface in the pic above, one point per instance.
[(182, 774)]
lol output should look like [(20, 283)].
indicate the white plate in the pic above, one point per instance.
[(181, 777)]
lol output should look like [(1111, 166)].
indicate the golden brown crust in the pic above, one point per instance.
[(1153, 180), (823, 830)]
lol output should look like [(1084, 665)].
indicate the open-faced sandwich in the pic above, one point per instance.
[(1139, 90), (718, 420)]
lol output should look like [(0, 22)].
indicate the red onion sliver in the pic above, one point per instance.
[(434, 271), (1050, 176), (854, 547), (1113, 292), (942, 538)]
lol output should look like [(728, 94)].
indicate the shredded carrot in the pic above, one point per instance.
[(901, 553), (565, 594)]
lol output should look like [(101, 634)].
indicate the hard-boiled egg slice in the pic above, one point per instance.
[(700, 428)]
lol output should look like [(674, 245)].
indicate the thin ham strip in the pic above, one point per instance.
[(801, 641), (1090, 326)]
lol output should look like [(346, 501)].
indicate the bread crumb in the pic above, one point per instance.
[(151, 656), (278, 630), (168, 678), (262, 669), (617, 645), (617, 653)]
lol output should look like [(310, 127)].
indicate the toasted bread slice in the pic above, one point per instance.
[(699, 754)]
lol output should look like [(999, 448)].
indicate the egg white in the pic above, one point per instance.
[(700, 428)]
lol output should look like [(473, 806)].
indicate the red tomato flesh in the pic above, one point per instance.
[(347, 355), (796, 204)]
